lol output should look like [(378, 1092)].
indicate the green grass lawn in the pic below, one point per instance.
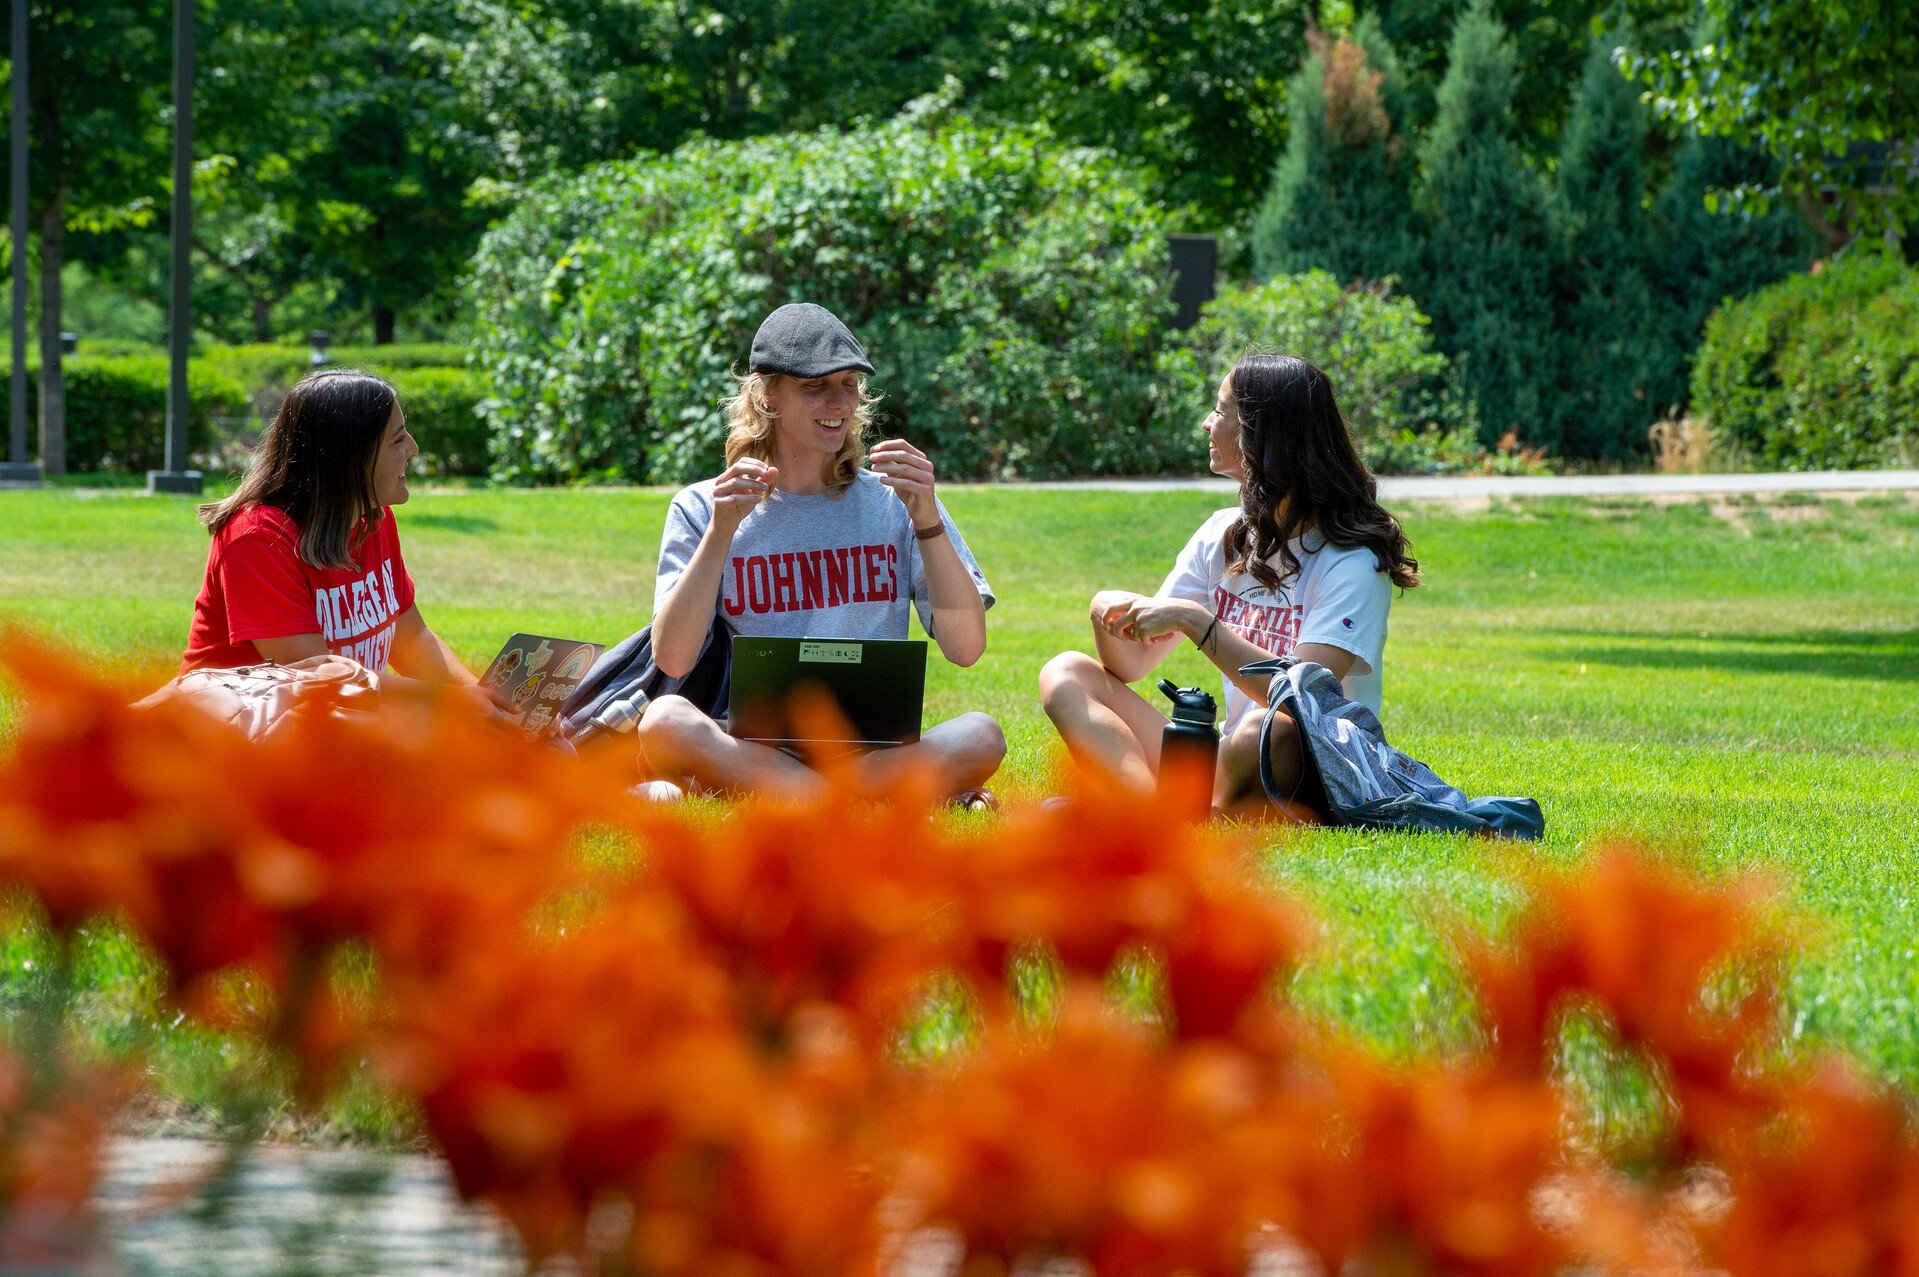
[(1743, 689)]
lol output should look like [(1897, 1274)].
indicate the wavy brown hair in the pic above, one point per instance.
[(749, 427), (1303, 474), (315, 462)]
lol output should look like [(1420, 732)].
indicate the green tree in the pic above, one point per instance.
[(1192, 90), (1609, 326), (1709, 255), (1828, 88), (1484, 277), (1549, 40), (1341, 196), (335, 145), (99, 74)]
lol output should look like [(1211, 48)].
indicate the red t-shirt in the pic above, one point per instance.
[(257, 586)]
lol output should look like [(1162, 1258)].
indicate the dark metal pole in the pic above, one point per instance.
[(17, 469), (176, 477)]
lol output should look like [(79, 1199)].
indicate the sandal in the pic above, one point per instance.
[(981, 799)]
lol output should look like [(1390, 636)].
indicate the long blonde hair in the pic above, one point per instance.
[(749, 427)]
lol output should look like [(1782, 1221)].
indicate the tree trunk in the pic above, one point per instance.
[(53, 382), (383, 325), (262, 319)]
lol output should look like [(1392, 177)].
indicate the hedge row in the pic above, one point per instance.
[(117, 410), (117, 406), (1818, 372)]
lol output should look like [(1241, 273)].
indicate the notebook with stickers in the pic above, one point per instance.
[(536, 674)]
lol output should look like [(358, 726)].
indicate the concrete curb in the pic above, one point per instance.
[(1484, 487)]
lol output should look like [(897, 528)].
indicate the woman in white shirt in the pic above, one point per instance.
[(1304, 565)]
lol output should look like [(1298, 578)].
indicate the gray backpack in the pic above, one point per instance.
[(1356, 778)]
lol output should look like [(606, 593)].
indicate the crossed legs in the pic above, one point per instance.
[(1105, 722), (677, 740)]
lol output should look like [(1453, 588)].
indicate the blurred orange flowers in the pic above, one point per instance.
[(693, 1066)]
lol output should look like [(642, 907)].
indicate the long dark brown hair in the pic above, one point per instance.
[(1303, 474), (315, 462)]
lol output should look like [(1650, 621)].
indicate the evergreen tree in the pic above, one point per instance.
[(1609, 312), (1484, 277), (1341, 194), (1711, 254)]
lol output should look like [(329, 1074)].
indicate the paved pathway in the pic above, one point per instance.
[(1483, 487), (293, 1209)]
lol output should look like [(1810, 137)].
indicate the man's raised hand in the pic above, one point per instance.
[(909, 473), (738, 490)]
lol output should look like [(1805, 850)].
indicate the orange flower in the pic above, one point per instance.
[(1641, 939), (53, 1122), (1829, 1186)]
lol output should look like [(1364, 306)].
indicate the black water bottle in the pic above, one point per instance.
[(1189, 747)]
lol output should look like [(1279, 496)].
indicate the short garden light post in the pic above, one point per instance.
[(319, 339), (17, 469), (176, 477), (69, 343)]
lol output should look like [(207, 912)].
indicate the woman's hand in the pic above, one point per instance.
[(909, 473), (1151, 620), (738, 491), (1110, 608)]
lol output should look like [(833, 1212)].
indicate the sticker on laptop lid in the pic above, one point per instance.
[(829, 653)]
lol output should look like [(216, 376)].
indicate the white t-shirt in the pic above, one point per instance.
[(820, 565), (1339, 598)]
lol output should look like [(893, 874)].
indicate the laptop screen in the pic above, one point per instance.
[(878, 684)]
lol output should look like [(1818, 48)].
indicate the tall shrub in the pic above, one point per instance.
[(1012, 293), (1484, 277), (1818, 371), (1609, 326), (1341, 194)]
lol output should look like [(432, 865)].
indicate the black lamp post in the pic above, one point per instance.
[(17, 469), (176, 477)]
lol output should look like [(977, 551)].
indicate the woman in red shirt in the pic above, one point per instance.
[(305, 557)]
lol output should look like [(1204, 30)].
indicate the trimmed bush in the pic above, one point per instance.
[(1818, 372), (1377, 349), (443, 410), (117, 410), (1013, 294)]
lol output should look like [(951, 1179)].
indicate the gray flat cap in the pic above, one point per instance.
[(804, 340)]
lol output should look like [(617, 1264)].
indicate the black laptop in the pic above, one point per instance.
[(878, 684)]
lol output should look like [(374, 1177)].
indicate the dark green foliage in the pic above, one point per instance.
[(1549, 39), (1805, 83), (117, 410), (1609, 316), (1725, 251), (1191, 91), (1012, 293), (1484, 280), (1341, 194), (1818, 371)]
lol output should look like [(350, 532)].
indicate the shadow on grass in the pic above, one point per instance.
[(1890, 656), (451, 522)]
